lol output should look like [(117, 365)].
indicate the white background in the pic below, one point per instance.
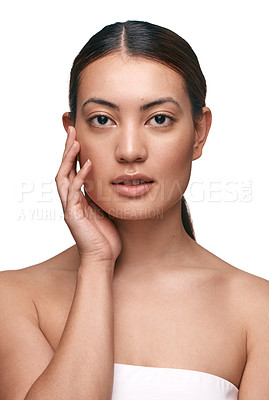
[(228, 190)]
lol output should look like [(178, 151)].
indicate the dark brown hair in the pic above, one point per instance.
[(153, 42)]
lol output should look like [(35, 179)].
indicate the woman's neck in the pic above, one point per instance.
[(153, 245)]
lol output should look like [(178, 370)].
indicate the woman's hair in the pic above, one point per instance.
[(153, 42)]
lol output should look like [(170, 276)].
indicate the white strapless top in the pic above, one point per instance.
[(134, 382)]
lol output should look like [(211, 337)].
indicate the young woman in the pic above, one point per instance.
[(136, 309)]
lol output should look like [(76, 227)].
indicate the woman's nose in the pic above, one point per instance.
[(131, 146)]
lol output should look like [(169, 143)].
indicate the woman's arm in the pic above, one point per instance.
[(255, 381), (82, 366)]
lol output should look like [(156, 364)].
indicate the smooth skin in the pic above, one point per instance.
[(92, 302)]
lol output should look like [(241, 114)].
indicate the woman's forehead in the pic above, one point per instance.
[(121, 77)]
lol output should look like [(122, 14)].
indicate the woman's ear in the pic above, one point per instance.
[(202, 127), (67, 121)]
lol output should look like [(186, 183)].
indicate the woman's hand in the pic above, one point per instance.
[(95, 234)]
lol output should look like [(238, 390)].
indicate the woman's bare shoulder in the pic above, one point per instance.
[(242, 286), (29, 279), (251, 290)]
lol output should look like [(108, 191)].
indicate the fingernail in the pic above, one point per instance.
[(86, 163)]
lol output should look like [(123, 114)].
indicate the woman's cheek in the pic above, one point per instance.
[(178, 169)]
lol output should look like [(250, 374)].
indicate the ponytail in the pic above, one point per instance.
[(186, 218)]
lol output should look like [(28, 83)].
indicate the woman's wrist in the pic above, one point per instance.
[(89, 266)]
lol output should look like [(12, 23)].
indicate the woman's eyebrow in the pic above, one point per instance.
[(161, 100), (102, 102), (144, 107)]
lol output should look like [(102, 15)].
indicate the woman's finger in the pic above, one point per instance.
[(65, 176), (72, 136), (69, 160), (73, 171), (74, 190), (69, 140)]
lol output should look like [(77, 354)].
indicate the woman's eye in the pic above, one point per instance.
[(100, 120), (162, 120)]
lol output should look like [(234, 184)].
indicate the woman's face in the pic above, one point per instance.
[(134, 118)]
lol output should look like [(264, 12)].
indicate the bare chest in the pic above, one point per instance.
[(194, 327)]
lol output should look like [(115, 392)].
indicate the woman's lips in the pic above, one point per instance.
[(132, 178), (130, 190)]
